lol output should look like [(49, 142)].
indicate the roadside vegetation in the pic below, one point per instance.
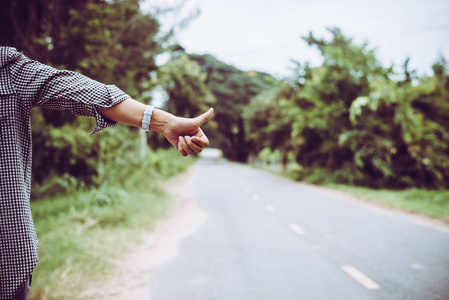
[(82, 231), (357, 122), (379, 133)]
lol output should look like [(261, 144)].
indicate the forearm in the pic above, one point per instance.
[(131, 112), (184, 134)]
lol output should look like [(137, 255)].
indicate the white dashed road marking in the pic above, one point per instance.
[(270, 208), (360, 278), (297, 229)]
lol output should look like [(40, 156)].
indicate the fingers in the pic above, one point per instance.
[(201, 141), (187, 146), (204, 117), (192, 145), (184, 146), (179, 148)]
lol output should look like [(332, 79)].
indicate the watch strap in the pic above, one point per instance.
[(147, 117)]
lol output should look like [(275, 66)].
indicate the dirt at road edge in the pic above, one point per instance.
[(135, 270)]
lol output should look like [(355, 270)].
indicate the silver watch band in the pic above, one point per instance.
[(147, 117)]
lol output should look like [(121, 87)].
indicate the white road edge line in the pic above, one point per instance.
[(360, 278), (297, 229), (270, 208)]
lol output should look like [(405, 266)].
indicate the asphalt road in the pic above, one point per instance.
[(270, 238)]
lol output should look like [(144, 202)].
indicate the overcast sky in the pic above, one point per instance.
[(265, 34)]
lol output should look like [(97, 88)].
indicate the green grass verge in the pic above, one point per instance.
[(81, 232)]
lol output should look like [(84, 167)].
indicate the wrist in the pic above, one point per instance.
[(160, 120)]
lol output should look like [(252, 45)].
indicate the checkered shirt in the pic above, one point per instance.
[(25, 84)]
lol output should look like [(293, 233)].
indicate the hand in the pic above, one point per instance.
[(186, 135), (183, 133)]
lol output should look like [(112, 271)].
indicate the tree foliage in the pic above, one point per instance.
[(187, 95), (355, 119), (113, 42), (233, 89), (184, 82)]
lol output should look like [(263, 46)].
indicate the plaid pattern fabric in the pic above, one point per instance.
[(25, 84)]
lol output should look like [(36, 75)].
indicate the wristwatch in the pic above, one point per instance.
[(147, 117)]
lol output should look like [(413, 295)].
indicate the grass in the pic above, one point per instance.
[(81, 232)]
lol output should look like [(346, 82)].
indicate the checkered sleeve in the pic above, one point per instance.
[(44, 86)]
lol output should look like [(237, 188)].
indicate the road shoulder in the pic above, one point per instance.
[(376, 206), (133, 273)]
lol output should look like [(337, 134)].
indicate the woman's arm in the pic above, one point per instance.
[(183, 133), (41, 85)]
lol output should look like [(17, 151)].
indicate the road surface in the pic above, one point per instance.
[(267, 237)]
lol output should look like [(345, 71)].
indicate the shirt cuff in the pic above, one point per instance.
[(115, 97)]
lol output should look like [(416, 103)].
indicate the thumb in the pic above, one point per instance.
[(204, 117)]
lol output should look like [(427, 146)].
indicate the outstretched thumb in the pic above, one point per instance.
[(204, 117)]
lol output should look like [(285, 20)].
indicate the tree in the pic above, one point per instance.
[(268, 122), (186, 91), (110, 41), (323, 100), (233, 89), (350, 117), (185, 85), (367, 124)]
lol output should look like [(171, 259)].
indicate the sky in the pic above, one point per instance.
[(264, 35)]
